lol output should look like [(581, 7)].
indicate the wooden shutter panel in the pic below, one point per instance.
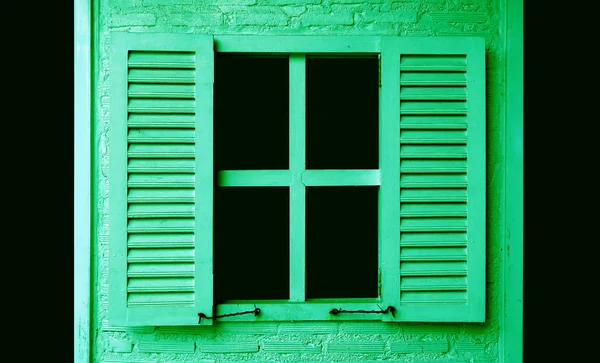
[(441, 100), (161, 179)]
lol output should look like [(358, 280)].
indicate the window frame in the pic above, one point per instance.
[(391, 50), (297, 178)]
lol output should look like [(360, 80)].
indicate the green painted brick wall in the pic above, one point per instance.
[(304, 341)]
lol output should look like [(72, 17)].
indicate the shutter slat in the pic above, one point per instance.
[(433, 268), (433, 195), (433, 166), (162, 166), (433, 239), (178, 225), (433, 152), (148, 90), (433, 254), (433, 225), (433, 93), (173, 121), (433, 79), (161, 76), (161, 136), (160, 241), (161, 60), (410, 210), (156, 151), (161, 299), (433, 298), (161, 181), (156, 105), (160, 196), (408, 122), (161, 285), (433, 137), (160, 211), (433, 181), (426, 62), (164, 255), (148, 270), (445, 283), (433, 108)]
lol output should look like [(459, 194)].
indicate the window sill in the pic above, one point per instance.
[(312, 310)]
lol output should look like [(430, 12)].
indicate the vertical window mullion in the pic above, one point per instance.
[(297, 166)]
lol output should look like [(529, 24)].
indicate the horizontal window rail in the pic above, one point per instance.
[(310, 178)]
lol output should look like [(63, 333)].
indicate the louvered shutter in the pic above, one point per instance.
[(439, 99), (161, 179)]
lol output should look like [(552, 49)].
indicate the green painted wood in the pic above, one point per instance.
[(432, 94), (433, 158), (172, 210), (166, 240), (162, 60), (428, 62), (341, 177), (301, 311), (433, 166), (418, 163), (433, 239), (142, 196), (117, 313), (139, 90), (174, 121), (204, 176), (297, 164), (161, 106), (161, 136), (432, 195), (156, 151), (297, 44), (511, 316), (445, 122), (389, 165), (433, 152), (161, 76), (161, 166), (445, 268), (254, 178), (433, 253), (476, 175), (307, 177), (83, 183), (433, 79), (421, 181), (162, 179)]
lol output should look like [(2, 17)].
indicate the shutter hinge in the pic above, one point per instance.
[(379, 68)]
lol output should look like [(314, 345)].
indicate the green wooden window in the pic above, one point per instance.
[(430, 178)]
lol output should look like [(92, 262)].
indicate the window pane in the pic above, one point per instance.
[(251, 112), (341, 242), (251, 243), (342, 113)]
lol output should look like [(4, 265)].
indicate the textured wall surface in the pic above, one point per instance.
[(315, 341)]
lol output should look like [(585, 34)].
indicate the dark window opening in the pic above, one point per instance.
[(342, 113), (341, 242), (251, 112), (251, 243)]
